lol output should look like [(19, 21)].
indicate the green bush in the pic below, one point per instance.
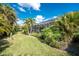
[(51, 36), (25, 29)]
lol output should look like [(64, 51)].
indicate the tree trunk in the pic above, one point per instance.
[(30, 29)]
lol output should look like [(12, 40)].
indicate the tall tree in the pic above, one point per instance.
[(5, 27), (68, 25), (7, 18), (8, 12), (30, 22)]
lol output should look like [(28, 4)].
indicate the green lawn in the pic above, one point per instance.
[(23, 45)]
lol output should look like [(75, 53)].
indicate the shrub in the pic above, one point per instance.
[(25, 29), (51, 36)]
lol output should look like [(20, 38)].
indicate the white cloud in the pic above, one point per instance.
[(51, 18), (54, 17), (21, 9), (19, 21), (39, 18), (35, 6)]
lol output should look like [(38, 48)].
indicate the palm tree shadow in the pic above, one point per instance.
[(73, 51), (3, 45), (73, 48)]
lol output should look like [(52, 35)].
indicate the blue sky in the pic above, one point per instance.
[(42, 11)]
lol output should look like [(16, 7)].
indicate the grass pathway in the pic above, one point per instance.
[(28, 45)]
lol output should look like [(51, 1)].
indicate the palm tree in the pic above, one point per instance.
[(68, 25), (5, 27), (30, 22), (8, 12), (8, 18)]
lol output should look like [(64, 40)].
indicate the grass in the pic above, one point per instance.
[(23, 45)]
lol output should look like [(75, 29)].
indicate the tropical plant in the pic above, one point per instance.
[(7, 20), (68, 25), (29, 24), (62, 31), (5, 27), (51, 36), (8, 12)]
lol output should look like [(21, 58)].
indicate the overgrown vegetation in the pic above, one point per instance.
[(63, 30), (7, 20), (60, 33)]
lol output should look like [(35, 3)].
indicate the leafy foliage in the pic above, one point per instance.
[(28, 25), (62, 31), (7, 20)]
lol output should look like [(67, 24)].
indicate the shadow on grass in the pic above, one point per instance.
[(3, 45), (73, 49), (74, 46)]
